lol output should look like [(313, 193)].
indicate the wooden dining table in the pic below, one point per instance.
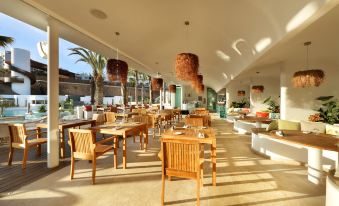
[(192, 134), (124, 130), (63, 125)]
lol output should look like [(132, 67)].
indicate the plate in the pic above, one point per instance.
[(178, 133)]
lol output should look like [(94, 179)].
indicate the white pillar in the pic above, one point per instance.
[(283, 92), (161, 104), (172, 94), (53, 94), (315, 171)]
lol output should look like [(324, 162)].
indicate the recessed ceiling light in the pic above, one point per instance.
[(98, 14)]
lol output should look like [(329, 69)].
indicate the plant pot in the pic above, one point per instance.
[(262, 114), (273, 115)]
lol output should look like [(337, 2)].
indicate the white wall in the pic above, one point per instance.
[(189, 95), (271, 89), (22, 59), (300, 102), (232, 92)]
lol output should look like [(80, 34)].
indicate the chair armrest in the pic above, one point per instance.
[(34, 134)]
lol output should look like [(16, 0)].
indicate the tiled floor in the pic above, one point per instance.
[(243, 178)]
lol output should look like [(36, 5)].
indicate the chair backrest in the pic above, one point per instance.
[(99, 119), (194, 121), (142, 119), (180, 157), (110, 117), (17, 133), (82, 143)]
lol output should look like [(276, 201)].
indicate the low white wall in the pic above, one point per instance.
[(106, 100), (22, 100)]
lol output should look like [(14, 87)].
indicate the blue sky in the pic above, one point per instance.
[(26, 37)]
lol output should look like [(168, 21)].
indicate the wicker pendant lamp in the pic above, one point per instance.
[(172, 88), (117, 70), (200, 89), (308, 78), (157, 83), (258, 89), (241, 93), (186, 65), (198, 81)]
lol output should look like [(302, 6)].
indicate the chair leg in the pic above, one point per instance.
[(115, 146), (72, 167), (198, 191), (202, 175), (10, 155), (163, 190), (24, 160), (140, 136), (94, 165), (153, 131)]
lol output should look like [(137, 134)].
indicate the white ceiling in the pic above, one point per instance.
[(154, 31)]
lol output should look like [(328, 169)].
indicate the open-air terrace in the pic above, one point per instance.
[(187, 102)]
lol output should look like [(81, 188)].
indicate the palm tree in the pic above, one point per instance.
[(98, 63), (5, 41)]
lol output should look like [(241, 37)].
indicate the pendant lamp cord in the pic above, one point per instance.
[(307, 44), (117, 49)]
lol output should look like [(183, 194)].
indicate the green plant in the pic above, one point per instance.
[(42, 109), (273, 106), (329, 109), (5, 41), (242, 104)]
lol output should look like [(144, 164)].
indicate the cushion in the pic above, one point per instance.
[(288, 125), (332, 129), (272, 126), (88, 108), (317, 127)]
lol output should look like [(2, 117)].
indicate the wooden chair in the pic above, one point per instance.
[(142, 119), (154, 123), (20, 139), (85, 147), (194, 121), (181, 158), (110, 117), (99, 119)]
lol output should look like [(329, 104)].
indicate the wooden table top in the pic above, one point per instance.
[(119, 128), (319, 141), (191, 134), (68, 123)]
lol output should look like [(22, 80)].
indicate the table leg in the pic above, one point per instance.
[(115, 152), (140, 137), (124, 150), (38, 149), (146, 138), (315, 171), (336, 174), (214, 162), (62, 143)]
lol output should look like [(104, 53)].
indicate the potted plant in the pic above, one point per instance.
[(328, 112), (272, 111)]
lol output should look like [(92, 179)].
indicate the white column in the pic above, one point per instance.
[(161, 104), (315, 170), (53, 94), (172, 94), (283, 92)]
